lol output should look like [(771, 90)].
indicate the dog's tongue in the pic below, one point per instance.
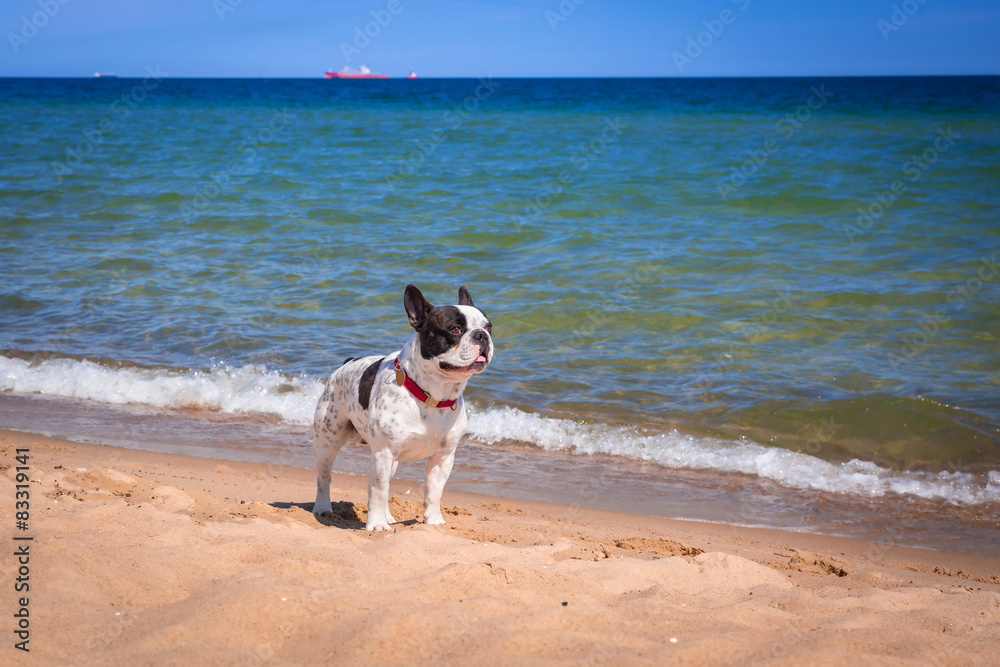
[(481, 358)]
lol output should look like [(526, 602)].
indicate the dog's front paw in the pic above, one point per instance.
[(433, 518), (378, 527)]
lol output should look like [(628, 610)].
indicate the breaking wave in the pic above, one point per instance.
[(256, 390)]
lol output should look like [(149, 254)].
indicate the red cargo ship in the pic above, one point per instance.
[(363, 73)]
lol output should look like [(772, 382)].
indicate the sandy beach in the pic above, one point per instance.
[(156, 559)]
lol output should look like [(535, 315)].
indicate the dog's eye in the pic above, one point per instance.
[(456, 330)]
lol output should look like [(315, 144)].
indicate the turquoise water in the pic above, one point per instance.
[(804, 265)]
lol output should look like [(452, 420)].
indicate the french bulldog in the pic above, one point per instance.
[(407, 405)]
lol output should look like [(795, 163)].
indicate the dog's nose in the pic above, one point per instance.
[(480, 336)]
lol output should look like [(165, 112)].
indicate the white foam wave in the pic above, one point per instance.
[(677, 450), (248, 389), (255, 389)]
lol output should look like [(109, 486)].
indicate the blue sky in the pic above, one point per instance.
[(302, 38)]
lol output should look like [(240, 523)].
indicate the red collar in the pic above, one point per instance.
[(403, 380)]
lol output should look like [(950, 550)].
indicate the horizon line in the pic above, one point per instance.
[(112, 75)]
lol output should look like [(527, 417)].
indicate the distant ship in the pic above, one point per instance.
[(363, 73), (412, 74), (105, 75)]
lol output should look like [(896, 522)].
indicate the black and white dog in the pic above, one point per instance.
[(405, 406)]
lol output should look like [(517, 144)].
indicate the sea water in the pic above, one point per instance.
[(778, 290)]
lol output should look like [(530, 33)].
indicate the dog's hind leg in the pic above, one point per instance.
[(330, 432)]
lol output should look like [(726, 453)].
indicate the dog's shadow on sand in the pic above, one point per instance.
[(344, 514)]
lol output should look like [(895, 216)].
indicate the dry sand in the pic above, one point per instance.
[(153, 559)]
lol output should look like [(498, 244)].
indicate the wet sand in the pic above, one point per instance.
[(516, 471)]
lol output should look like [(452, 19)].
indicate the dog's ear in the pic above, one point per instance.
[(416, 306), (464, 298)]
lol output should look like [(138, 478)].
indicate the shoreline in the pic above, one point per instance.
[(562, 477), (151, 557)]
